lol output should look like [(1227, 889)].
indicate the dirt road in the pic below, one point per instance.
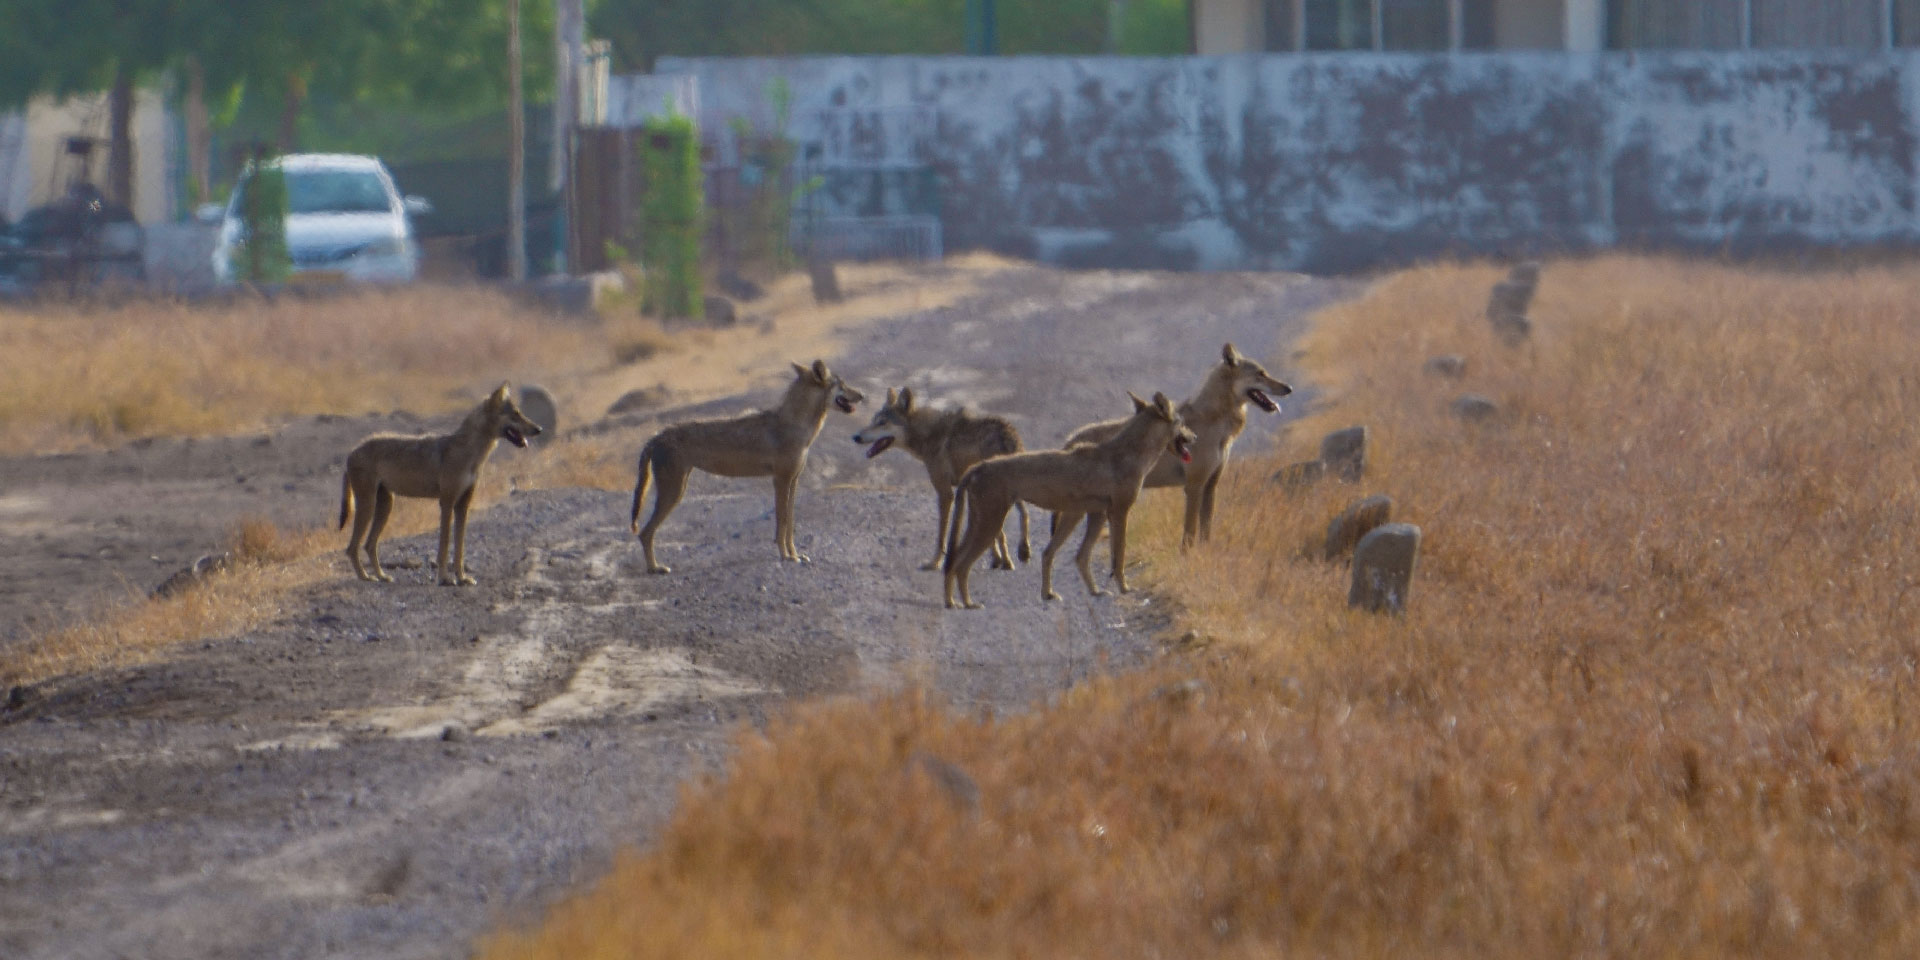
[(388, 771)]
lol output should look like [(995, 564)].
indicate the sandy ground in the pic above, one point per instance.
[(390, 771)]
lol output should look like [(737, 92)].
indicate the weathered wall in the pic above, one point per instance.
[(1327, 162)]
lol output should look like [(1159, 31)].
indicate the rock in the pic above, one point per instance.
[(1356, 521), (718, 311), (537, 404), (645, 398), (1345, 453), (960, 788), (1507, 305), (1299, 476), (1449, 365), (1383, 568), (738, 287), (826, 281), (193, 574), (1513, 330), (453, 733), (1473, 407)]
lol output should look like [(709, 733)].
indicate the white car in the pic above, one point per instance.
[(345, 221)]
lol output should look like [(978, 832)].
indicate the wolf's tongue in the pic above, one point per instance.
[(879, 446)]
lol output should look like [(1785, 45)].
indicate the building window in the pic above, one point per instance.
[(1906, 23), (1377, 24), (1833, 23), (1696, 24)]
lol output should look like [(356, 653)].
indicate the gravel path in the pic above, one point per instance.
[(391, 771)]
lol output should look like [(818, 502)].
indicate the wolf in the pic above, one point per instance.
[(764, 443), (445, 467), (1216, 415), (1097, 480), (947, 442)]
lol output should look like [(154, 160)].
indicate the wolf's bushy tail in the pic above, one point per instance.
[(640, 484), (346, 497), (962, 491)]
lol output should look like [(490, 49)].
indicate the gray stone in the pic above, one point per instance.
[(1299, 476), (1474, 407), (1383, 568), (718, 311), (1450, 365), (1513, 330), (193, 574), (645, 398), (538, 405), (826, 281), (1507, 305), (738, 287), (1356, 521), (1345, 453)]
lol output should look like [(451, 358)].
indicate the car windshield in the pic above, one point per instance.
[(330, 191)]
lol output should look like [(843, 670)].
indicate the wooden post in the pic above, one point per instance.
[(516, 153)]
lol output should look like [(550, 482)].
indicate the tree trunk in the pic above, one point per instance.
[(120, 142), (290, 112), (516, 153), (199, 134)]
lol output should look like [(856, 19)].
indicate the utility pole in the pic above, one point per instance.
[(569, 35), (516, 153)]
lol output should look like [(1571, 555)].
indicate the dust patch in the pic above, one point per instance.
[(625, 681), (37, 819)]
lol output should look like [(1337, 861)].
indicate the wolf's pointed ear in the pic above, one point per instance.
[(1164, 405), (1138, 404), (1229, 354), (500, 395), (800, 371), (892, 398), (820, 370), (906, 399)]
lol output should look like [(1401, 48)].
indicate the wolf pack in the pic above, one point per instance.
[(979, 469)]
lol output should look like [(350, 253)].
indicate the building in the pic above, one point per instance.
[(1253, 26), (35, 165)]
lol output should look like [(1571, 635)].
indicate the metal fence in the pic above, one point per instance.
[(1628, 24)]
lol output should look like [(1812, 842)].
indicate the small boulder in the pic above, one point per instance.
[(1356, 521), (637, 401), (1383, 565), (738, 287), (1513, 329), (1473, 407), (719, 311), (1449, 365), (1295, 477), (826, 281), (538, 405), (1345, 453)]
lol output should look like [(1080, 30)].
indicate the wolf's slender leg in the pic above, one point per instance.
[(1083, 557), (1118, 519), (362, 517), (382, 508), (1062, 532), (1206, 504), (441, 570), (670, 481), (460, 539), (945, 493)]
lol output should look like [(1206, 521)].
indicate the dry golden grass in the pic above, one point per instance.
[(1652, 697), (80, 374)]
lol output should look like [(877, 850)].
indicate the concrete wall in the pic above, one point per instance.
[(1327, 162)]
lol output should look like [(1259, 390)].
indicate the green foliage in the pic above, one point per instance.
[(671, 223), (263, 217), (642, 31)]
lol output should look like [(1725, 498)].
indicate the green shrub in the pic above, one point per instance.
[(671, 216), (263, 215)]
